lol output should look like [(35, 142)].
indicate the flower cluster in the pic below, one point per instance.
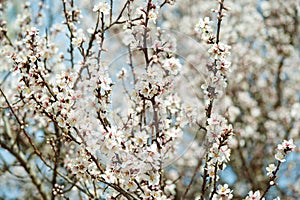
[(204, 27), (58, 190), (219, 60), (102, 7), (254, 196), (149, 13), (132, 150), (223, 193), (218, 131), (148, 132), (283, 149), (218, 134), (53, 99)]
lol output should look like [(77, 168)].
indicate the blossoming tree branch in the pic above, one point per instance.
[(153, 99)]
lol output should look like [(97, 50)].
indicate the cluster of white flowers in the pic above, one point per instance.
[(219, 60), (218, 133), (102, 7), (79, 38), (282, 150), (204, 26), (53, 99), (149, 13), (254, 196), (58, 190), (118, 145), (223, 193), (131, 154)]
